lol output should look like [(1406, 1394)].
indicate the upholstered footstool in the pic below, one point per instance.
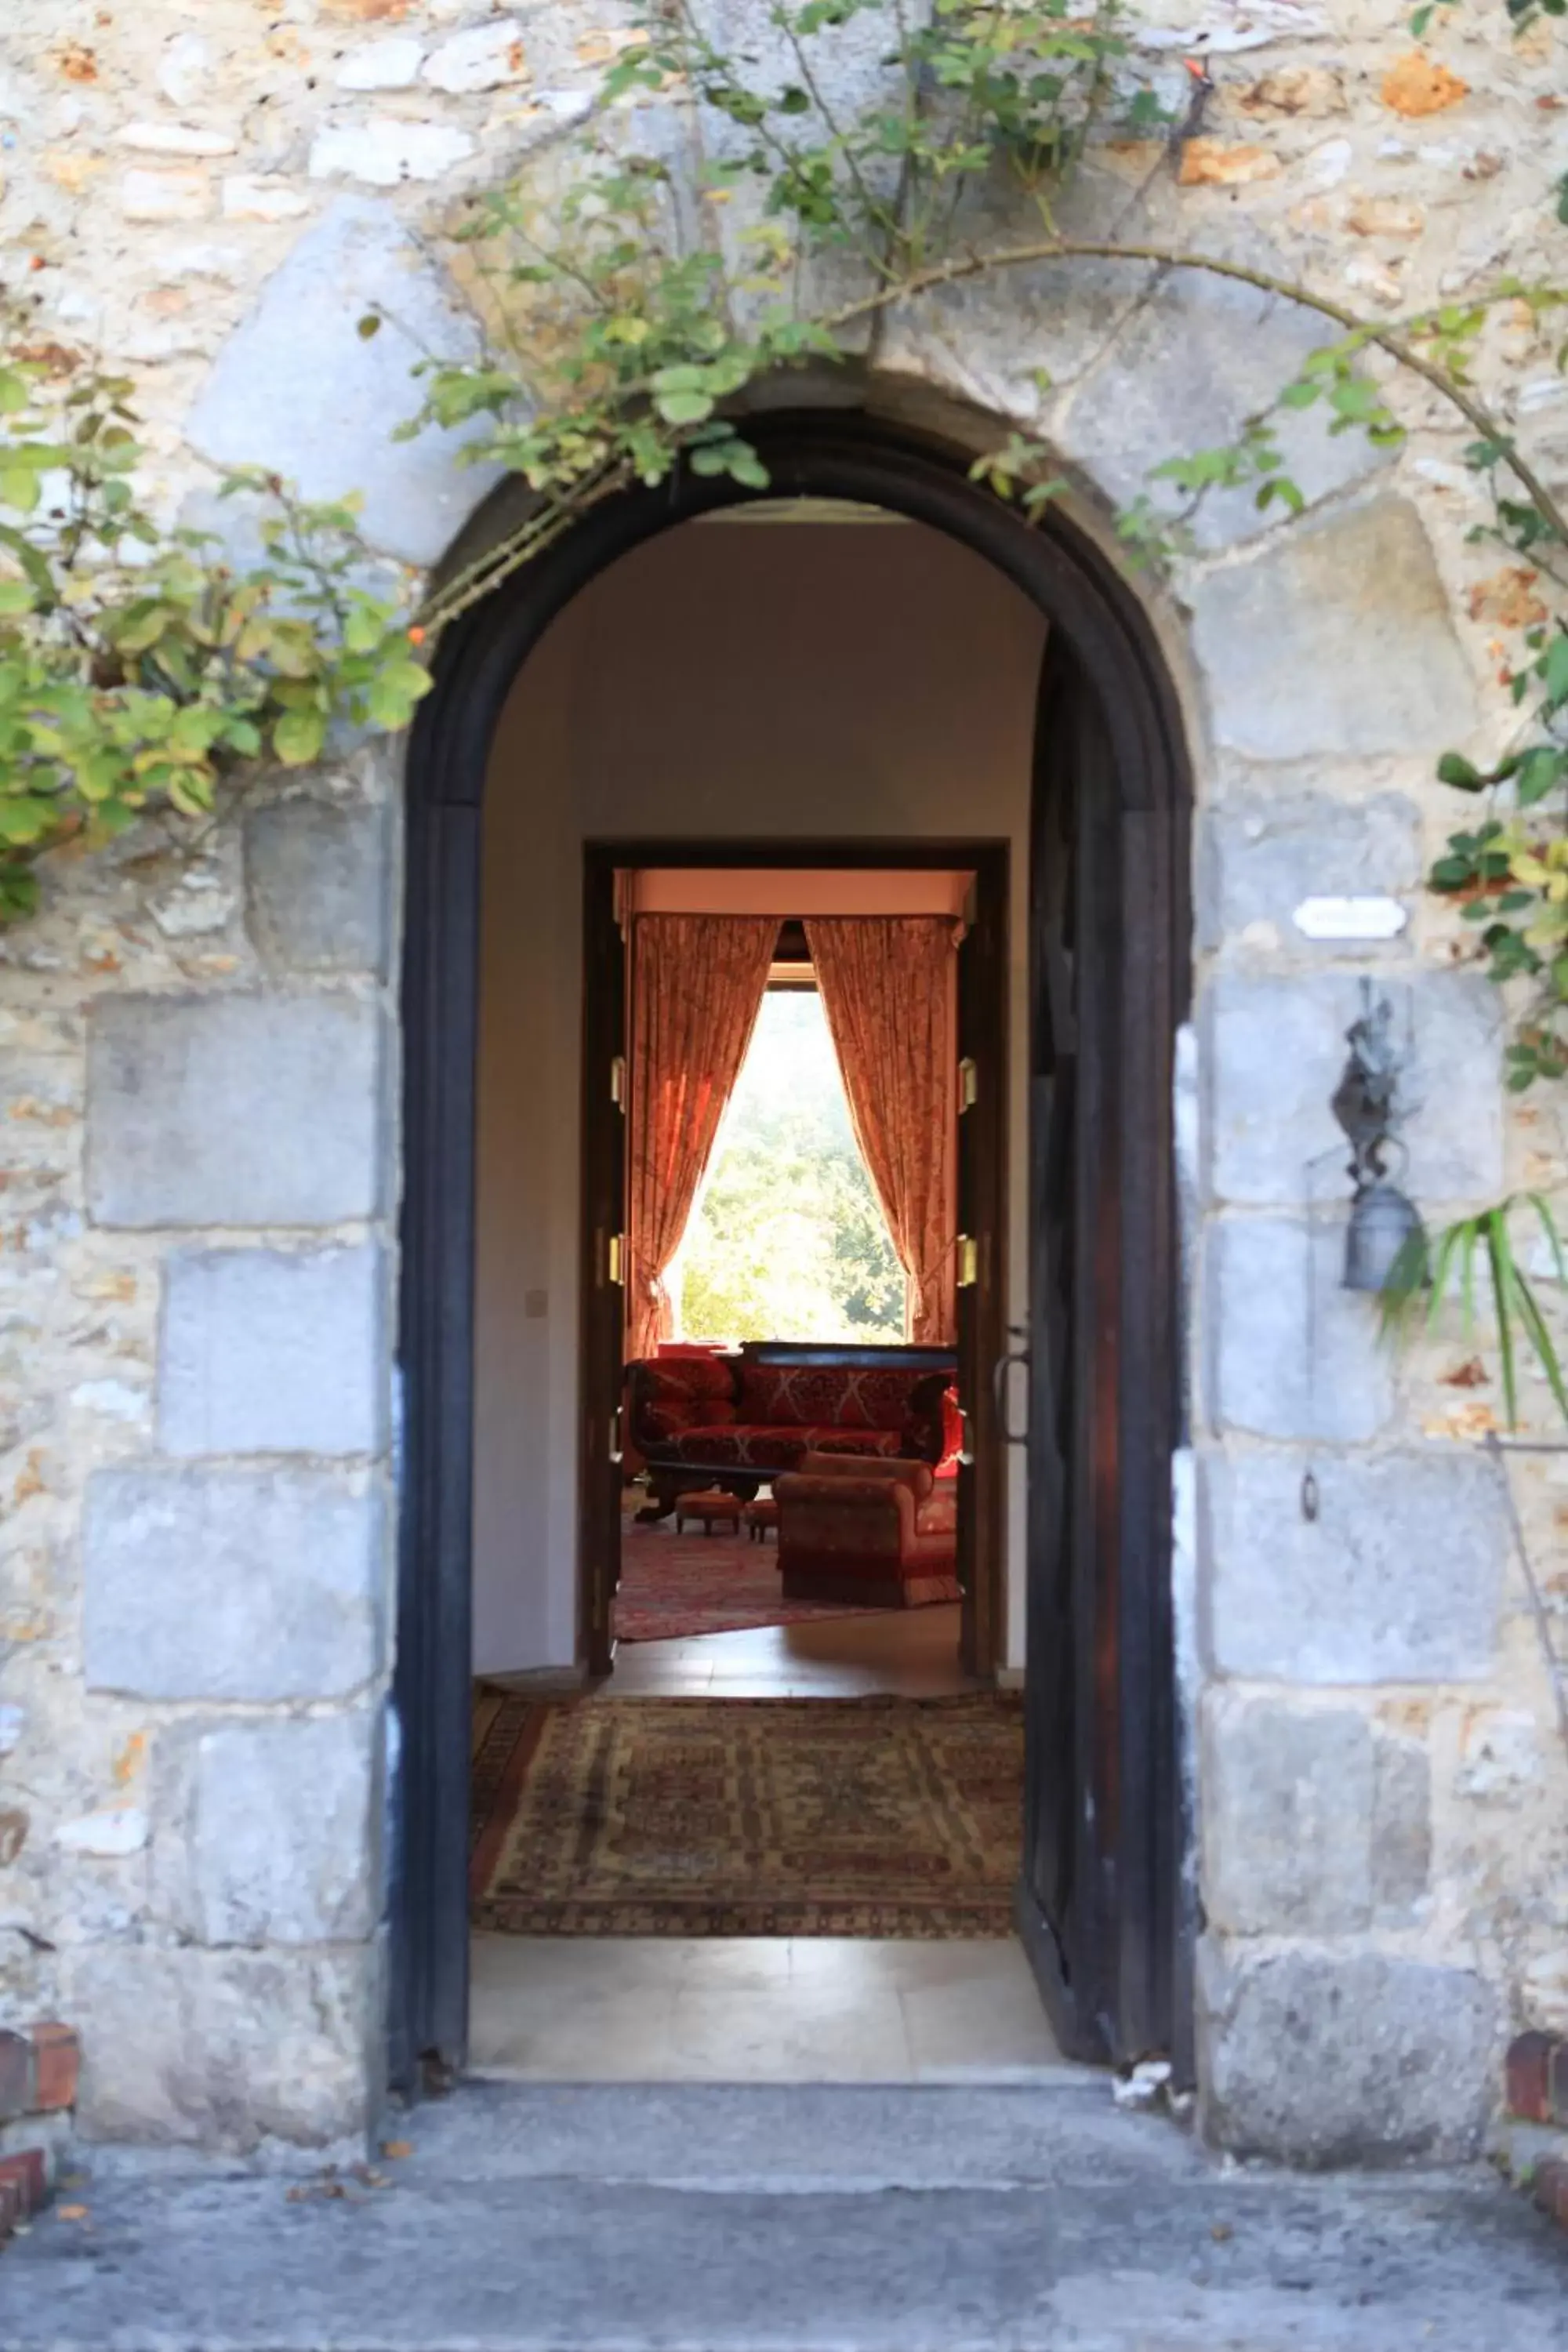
[(876, 1534), (708, 1505), (761, 1515)]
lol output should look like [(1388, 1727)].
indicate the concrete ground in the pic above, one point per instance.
[(702, 2218)]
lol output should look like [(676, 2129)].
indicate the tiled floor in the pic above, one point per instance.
[(650, 2009), (911, 1652), (829, 2008)]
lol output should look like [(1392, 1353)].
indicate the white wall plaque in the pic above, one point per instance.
[(1350, 918)]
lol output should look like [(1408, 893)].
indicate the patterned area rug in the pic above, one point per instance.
[(697, 1584), (747, 1817)]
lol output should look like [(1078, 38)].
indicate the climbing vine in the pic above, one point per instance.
[(623, 319)]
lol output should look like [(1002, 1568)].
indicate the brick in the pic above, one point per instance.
[(270, 1351), (1549, 2187), (26, 2171), (235, 1110), (56, 2055), (233, 1584), (1527, 2076)]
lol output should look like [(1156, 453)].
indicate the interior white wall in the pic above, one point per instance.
[(734, 681)]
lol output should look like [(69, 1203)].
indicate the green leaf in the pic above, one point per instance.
[(16, 596), (18, 487), (298, 737), (683, 407), (1452, 769), (369, 325)]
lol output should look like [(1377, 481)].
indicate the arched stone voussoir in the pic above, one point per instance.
[(328, 425)]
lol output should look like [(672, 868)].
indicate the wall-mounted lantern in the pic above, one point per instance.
[(1383, 1221)]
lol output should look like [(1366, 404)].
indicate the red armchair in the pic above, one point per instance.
[(878, 1535)]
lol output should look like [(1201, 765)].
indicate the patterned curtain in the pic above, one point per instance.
[(888, 985), (697, 988)]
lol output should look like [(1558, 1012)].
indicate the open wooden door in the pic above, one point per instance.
[(1096, 1897), (982, 1271), (603, 1261)]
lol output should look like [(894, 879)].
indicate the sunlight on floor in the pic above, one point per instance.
[(807, 2009), (912, 1653)]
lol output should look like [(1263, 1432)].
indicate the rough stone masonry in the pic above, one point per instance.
[(200, 1053)]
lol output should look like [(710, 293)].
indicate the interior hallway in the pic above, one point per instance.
[(804, 2009)]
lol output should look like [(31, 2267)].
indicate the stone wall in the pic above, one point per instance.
[(199, 1053)]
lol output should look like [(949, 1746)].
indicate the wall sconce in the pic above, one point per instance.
[(1383, 1221)]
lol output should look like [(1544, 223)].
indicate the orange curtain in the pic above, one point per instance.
[(697, 988), (887, 990)]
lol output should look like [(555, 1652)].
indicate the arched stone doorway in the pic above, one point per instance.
[(1099, 1903)]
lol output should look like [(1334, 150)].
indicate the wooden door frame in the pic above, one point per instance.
[(831, 453), (990, 863)]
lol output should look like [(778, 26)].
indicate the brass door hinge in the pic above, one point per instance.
[(968, 1261), (618, 1079), (615, 1269), (617, 1434), (968, 1085)]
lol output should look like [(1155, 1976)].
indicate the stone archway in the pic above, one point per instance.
[(1132, 1757)]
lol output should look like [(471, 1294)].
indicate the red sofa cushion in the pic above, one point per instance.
[(827, 1396), (750, 1447), (684, 1379)]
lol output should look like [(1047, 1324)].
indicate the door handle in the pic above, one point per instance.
[(1010, 1436)]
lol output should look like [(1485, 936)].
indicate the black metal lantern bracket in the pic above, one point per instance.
[(1384, 1220)]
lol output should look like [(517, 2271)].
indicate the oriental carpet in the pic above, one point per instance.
[(675, 1585), (746, 1817)]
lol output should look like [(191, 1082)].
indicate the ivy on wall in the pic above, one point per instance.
[(621, 322)]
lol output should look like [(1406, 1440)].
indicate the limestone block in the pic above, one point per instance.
[(232, 1584), (268, 1351), (233, 1110), (1313, 1823), (1194, 362), (1261, 854), (250, 195), (1337, 640), (225, 2050), (389, 64), (164, 195), (184, 68), (269, 1830), (1013, 339), (1289, 1351), (484, 58), (388, 151), (316, 885), (1336, 2058), (261, 407), (1399, 1579), (1274, 1048)]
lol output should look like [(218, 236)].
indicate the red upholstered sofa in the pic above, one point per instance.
[(735, 1420), (879, 1535)]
